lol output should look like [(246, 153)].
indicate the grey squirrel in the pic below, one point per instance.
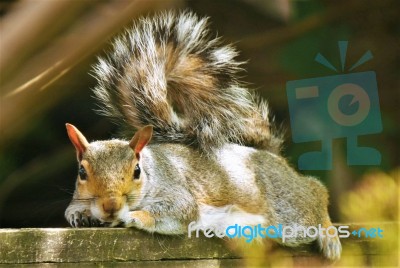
[(213, 159)]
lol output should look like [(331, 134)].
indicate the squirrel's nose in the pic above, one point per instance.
[(111, 205)]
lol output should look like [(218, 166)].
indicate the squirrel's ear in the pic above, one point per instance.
[(77, 139), (141, 139)]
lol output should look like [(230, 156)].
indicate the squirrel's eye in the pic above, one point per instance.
[(136, 172), (82, 173)]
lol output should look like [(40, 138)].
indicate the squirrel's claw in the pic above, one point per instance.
[(80, 219), (95, 223)]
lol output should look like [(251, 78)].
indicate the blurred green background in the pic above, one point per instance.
[(48, 47)]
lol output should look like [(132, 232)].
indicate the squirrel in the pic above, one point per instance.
[(214, 158)]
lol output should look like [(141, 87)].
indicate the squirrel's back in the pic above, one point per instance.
[(169, 71)]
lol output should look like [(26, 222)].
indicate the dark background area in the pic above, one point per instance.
[(45, 82)]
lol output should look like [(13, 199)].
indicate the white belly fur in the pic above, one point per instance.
[(225, 216)]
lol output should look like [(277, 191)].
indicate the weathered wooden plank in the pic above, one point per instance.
[(121, 247), (102, 244), (212, 263)]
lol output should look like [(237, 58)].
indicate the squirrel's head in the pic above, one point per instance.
[(110, 175)]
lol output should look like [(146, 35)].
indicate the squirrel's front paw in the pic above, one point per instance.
[(81, 219), (140, 219)]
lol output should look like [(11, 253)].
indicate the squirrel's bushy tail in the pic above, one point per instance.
[(168, 71)]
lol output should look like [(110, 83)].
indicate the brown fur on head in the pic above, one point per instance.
[(107, 173)]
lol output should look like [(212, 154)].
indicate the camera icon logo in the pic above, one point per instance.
[(359, 95), (337, 106)]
